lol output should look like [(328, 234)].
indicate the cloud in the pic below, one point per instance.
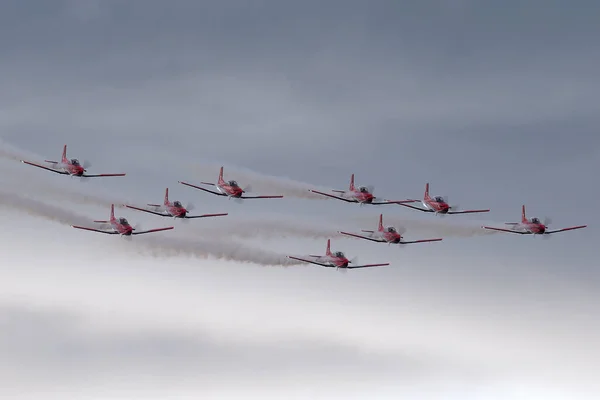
[(59, 349)]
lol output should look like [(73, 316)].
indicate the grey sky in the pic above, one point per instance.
[(493, 103)]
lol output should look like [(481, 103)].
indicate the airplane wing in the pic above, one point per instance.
[(394, 202), (332, 196), (367, 266), (43, 167), (148, 211), (152, 230), (261, 197), (421, 241), (565, 229), (207, 215), (308, 261), (100, 175), (201, 188), (416, 208), (467, 211), (362, 237), (506, 230), (95, 230)]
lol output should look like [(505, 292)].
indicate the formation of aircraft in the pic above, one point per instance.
[(439, 205), (531, 226), (335, 259), (172, 209), (68, 167), (360, 194), (385, 234), (231, 189), (118, 226)]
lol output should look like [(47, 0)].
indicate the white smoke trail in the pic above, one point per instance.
[(163, 246), (230, 251), (261, 184), (41, 209), (260, 227)]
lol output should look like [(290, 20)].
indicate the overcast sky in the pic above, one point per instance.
[(494, 103)]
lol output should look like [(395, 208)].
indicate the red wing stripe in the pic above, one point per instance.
[(308, 261), (208, 215), (43, 167), (467, 212), (566, 229), (201, 188), (152, 230), (368, 265), (331, 195), (208, 183), (504, 230), (360, 236), (260, 197), (395, 202), (422, 241), (416, 208), (101, 175), (148, 211), (94, 230)]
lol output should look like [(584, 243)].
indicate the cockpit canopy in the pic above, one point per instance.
[(391, 229), (339, 254), (177, 203), (74, 161), (123, 221), (535, 220), (439, 199), (363, 189), (232, 183)]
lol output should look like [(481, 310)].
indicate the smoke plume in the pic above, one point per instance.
[(41, 209), (205, 249)]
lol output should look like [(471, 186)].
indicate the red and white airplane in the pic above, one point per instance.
[(531, 226), (172, 209), (229, 189), (361, 195), (334, 260), (387, 235), (69, 167), (119, 226), (439, 205)]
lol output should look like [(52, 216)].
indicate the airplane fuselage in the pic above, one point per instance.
[(358, 196), (123, 229), (439, 207), (75, 170), (531, 227), (228, 190), (175, 212), (339, 262)]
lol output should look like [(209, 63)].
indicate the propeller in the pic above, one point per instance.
[(371, 188), (190, 206), (247, 189), (86, 164), (547, 221)]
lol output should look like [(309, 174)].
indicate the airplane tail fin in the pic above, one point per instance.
[(166, 202), (352, 182), (328, 250), (112, 211), (380, 228), (221, 175), (64, 154), (426, 195), (523, 217)]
